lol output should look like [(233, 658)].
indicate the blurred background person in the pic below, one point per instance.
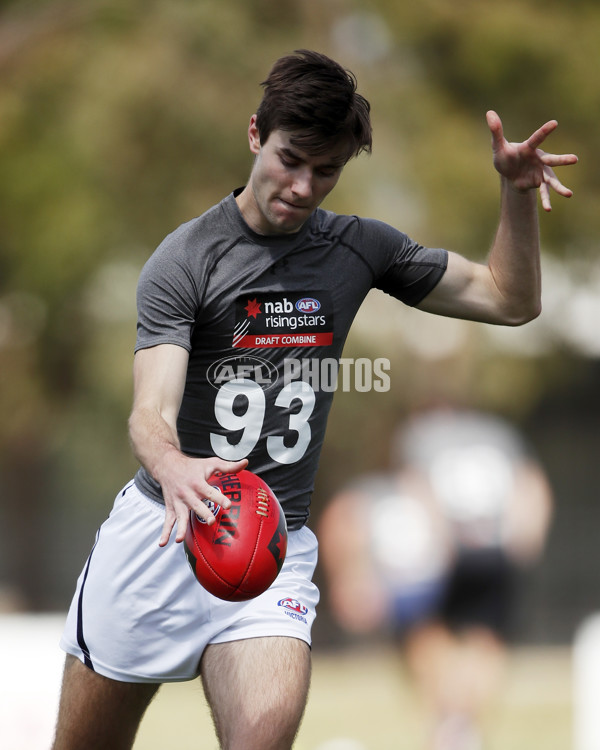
[(429, 555)]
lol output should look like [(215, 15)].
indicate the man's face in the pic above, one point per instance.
[(286, 184)]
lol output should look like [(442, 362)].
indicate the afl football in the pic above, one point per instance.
[(240, 555)]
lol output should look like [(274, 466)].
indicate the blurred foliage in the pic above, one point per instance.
[(120, 120)]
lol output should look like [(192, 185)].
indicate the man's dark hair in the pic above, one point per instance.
[(314, 97)]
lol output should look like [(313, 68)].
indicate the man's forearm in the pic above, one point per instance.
[(514, 259), (152, 439)]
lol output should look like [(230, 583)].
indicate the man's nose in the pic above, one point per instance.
[(302, 186)]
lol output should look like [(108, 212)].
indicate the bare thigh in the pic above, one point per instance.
[(257, 691), (97, 713)]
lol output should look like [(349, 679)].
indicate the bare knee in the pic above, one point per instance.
[(96, 712)]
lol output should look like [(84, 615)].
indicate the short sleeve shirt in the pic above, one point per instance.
[(263, 319)]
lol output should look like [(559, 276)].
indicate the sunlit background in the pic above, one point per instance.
[(120, 120)]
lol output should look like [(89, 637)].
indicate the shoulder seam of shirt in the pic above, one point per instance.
[(328, 234)]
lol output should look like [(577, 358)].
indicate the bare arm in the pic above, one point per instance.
[(159, 379), (507, 289)]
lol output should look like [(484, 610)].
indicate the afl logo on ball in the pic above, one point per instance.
[(308, 305), (213, 507)]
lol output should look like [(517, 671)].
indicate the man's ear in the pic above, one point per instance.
[(253, 136)]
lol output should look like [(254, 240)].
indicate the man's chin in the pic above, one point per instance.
[(290, 220)]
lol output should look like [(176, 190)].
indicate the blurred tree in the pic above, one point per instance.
[(528, 60), (117, 122)]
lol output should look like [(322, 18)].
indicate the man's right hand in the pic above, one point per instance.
[(184, 483)]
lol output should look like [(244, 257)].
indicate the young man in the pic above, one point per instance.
[(231, 307)]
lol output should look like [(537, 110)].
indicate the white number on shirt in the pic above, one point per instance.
[(250, 422)]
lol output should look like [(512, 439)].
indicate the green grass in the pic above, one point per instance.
[(364, 695)]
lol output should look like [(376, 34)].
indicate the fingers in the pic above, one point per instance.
[(550, 160), (196, 494), (495, 125), (203, 490), (228, 467), (552, 181), (533, 142), (540, 135), (177, 512), (550, 178), (525, 164), (557, 160), (205, 494), (545, 197), (202, 500), (167, 528)]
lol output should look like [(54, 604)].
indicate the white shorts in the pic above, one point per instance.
[(139, 614)]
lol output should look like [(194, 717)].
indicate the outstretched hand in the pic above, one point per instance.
[(525, 165)]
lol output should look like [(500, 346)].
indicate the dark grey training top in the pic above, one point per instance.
[(265, 319)]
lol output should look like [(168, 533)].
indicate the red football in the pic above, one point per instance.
[(240, 555)]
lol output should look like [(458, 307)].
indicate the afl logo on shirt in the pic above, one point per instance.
[(308, 305), (249, 367)]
